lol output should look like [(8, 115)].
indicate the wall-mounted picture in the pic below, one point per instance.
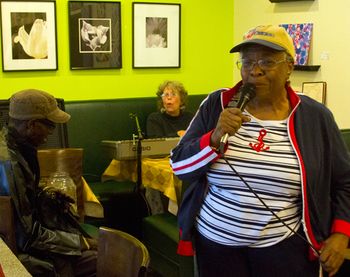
[(315, 90), (156, 35), (28, 35), (95, 35), (301, 34)]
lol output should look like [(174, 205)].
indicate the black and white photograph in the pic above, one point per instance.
[(156, 32), (95, 35), (156, 35), (28, 36)]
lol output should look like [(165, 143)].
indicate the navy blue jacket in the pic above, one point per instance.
[(323, 160)]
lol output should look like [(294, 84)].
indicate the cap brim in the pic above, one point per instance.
[(238, 47), (58, 116)]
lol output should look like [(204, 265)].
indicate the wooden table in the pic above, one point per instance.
[(10, 265), (156, 174)]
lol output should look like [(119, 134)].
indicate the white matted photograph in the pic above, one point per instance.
[(156, 35), (315, 90), (28, 35)]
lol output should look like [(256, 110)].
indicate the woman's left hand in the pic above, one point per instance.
[(333, 251)]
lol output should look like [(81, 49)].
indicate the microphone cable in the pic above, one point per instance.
[(268, 208)]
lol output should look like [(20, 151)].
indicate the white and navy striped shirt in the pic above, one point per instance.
[(231, 215)]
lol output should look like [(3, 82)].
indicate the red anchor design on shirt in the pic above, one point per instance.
[(258, 147)]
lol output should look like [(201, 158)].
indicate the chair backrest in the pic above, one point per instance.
[(69, 160), (7, 224), (120, 254)]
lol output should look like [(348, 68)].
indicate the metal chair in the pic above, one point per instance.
[(121, 255)]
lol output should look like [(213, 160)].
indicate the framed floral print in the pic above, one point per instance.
[(28, 35), (95, 35), (156, 35)]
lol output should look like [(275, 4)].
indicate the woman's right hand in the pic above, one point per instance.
[(230, 120)]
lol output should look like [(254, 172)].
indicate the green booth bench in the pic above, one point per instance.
[(95, 120)]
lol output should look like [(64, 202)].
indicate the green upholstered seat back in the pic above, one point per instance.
[(95, 120)]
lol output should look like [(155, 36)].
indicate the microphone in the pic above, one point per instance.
[(247, 93)]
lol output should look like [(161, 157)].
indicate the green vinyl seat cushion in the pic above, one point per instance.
[(346, 137), (160, 232), (90, 229), (161, 236), (104, 190)]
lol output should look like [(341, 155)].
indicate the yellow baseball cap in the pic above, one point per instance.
[(271, 36)]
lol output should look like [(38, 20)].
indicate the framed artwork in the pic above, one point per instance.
[(156, 35), (28, 35), (301, 35), (95, 35), (315, 90)]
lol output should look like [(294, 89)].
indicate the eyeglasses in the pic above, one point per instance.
[(264, 64), (169, 94), (48, 123)]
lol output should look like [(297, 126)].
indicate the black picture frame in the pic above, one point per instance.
[(95, 35), (156, 35), (29, 37)]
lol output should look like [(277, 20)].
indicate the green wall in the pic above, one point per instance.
[(206, 38)]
